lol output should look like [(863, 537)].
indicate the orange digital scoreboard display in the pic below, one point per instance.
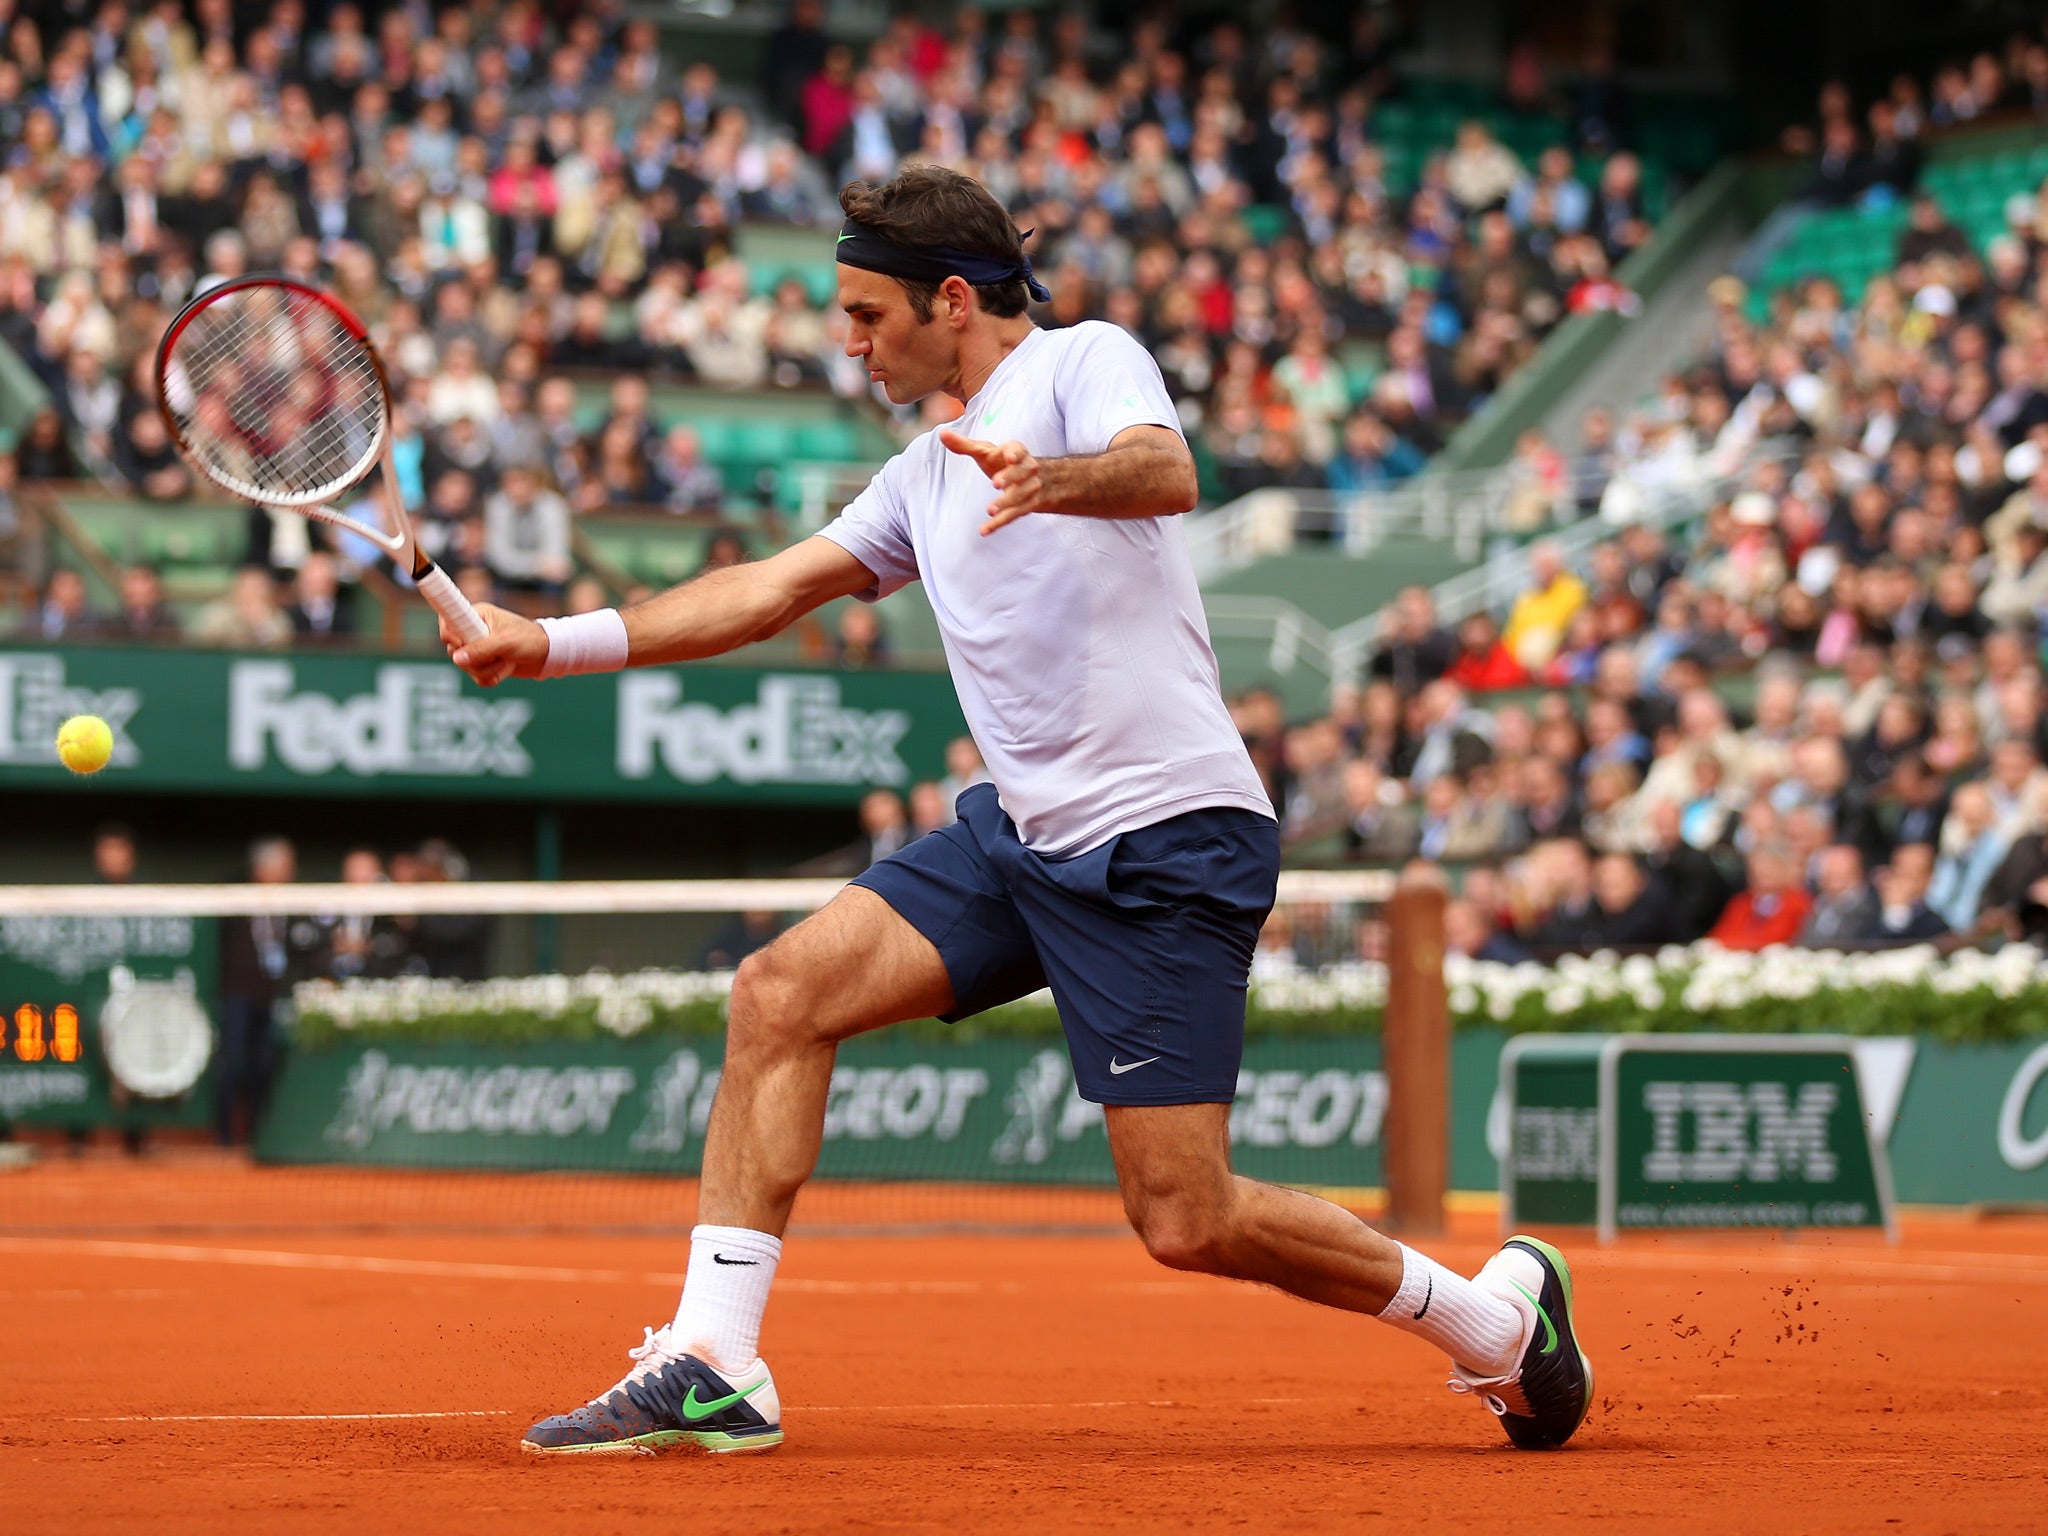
[(30, 1035)]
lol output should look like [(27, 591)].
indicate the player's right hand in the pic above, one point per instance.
[(515, 647)]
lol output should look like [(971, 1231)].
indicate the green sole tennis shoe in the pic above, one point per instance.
[(1544, 1400), (667, 1402)]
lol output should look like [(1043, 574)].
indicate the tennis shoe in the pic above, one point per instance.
[(1543, 1400), (668, 1401)]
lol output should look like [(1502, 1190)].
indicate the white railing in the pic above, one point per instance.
[(823, 488), (1499, 575), (1459, 509), (1660, 504)]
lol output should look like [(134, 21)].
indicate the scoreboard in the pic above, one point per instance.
[(57, 978)]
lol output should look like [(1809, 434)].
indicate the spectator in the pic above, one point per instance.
[(146, 459), (1483, 661), (687, 482), (1452, 734), (526, 535), (445, 944), (1904, 916), (1772, 909), (885, 825), (964, 767), (1454, 827), (321, 608), (742, 934), (1416, 649), (861, 642), (1380, 828), (113, 855), (367, 945), (66, 611), (1844, 909), (1972, 849), (1469, 931), (1480, 171), (1571, 916), (248, 617), (260, 958), (1537, 626), (1632, 912), (1697, 890), (724, 549), (44, 453), (144, 614)]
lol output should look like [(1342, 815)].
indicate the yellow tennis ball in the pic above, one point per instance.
[(84, 743)]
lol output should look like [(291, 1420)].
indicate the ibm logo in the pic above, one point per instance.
[(1741, 1132)]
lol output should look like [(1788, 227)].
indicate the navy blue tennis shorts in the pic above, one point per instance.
[(1145, 941)]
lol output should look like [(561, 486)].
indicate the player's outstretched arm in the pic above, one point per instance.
[(1146, 472), (707, 616)]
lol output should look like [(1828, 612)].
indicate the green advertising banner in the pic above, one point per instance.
[(1309, 1108), (1728, 1131), (1973, 1125), (57, 976), (229, 723), (1550, 1088)]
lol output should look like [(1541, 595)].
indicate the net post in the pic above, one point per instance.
[(1417, 1055)]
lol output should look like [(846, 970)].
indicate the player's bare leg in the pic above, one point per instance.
[(1509, 1333), (854, 965)]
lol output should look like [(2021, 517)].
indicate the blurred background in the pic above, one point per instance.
[(1621, 426)]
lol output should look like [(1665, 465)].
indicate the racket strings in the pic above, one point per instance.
[(275, 396)]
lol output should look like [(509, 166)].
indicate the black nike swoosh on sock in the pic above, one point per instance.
[(1428, 1295), (719, 1258)]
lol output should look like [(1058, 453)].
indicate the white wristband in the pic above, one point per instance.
[(585, 642)]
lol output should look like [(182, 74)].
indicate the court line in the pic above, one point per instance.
[(456, 1269), (798, 1411), (285, 1418), (1814, 1265)]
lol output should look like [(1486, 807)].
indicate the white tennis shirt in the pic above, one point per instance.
[(1078, 645)]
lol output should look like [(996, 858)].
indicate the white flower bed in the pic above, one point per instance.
[(1699, 979), (621, 1005)]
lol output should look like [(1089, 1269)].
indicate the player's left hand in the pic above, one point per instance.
[(1016, 473)]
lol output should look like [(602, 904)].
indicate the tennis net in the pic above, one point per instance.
[(531, 1055)]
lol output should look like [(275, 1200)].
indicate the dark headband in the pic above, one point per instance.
[(862, 246)]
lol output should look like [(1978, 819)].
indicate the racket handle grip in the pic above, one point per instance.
[(446, 599)]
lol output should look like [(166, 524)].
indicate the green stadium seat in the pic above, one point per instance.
[(715, 435), (1393, 120), (761, 443), (832, 441)]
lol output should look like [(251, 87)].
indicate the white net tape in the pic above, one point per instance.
[(512, 897)]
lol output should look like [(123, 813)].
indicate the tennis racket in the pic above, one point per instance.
[(271, 389)]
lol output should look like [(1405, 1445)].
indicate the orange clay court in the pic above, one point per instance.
[(288, 1379)]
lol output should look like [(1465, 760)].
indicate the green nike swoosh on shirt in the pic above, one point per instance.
[(1549, 1328), (694, 1408), (842, 240)]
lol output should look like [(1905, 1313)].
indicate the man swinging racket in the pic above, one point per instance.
[(1125, 854)]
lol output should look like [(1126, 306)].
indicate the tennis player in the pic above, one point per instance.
[(1125, 854)]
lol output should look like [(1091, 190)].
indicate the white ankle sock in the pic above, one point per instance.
[(724, 1295), (1476, 1328)]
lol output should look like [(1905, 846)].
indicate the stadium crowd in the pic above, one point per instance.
[(1818, 721), (514, 195)]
